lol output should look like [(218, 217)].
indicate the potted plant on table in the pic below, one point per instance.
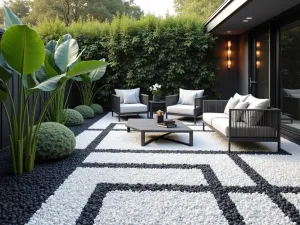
[(156, 92)]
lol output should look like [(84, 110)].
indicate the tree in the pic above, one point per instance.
[(202, 8)]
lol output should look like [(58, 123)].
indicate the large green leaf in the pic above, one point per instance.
[(48, 63), (97, 74), (29, 81), (66, 53), (3, 91), (71, 64), (85, 67), (10, 18), (23, 49), (48, 85), (51, 46), (66, 37)]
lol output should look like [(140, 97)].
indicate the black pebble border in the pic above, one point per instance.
[(22, 196)]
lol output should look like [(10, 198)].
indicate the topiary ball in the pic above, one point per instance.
[(73, 118), (86, 111), (55, 141), (97, 108)]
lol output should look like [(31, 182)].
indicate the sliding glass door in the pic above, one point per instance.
[(290, 76)]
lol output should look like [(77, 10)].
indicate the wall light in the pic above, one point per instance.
[(257, 55), (229, 54)]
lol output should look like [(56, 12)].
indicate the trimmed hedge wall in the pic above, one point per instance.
[(175, 52)]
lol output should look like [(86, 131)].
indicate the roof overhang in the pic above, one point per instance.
[(230, 17)]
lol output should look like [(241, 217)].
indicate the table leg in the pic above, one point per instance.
[(151, 111), (191, 139), (143, 138), (128, 129)]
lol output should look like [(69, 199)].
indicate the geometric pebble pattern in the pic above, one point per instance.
[(173, 185)]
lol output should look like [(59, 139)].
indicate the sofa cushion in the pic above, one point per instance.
[(132, 108), (181, 109), (199, 93), (119, 92), (242, 98), (288, 92), (230, 105), (129, 98), (209, 117), (189, 99), (240, 129)]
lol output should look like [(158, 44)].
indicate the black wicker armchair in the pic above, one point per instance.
[(128, 109), (264, 125), (173, 108)]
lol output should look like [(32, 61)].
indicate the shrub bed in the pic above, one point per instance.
[(86, 111), (73, 118)]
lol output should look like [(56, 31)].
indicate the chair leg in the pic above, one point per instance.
[(195, 120), (119, 118), (203, 126), (278, 146), (229, 145), (166, 115), (112, 113)]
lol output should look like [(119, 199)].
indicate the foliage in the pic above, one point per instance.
[(22, 54), (54, 141), (86, 111), (156, 90), (63, 56), (33, 11), (97, 108), (86, 84), (202, 8), (175, 51), (73, 118)]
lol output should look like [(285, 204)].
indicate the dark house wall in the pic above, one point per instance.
[(243, 87), (227, 80)]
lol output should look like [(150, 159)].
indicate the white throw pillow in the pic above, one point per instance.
[(199, 93), (129, 98), (189, 99), (120, 92), (252, 118), (230, 105), (295, 95), (237, 115), (242, 98)]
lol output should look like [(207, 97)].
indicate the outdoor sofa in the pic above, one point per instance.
[(188, 103), (244, 122), (128, 102), (291, 103)]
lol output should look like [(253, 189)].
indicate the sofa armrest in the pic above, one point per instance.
[(171, 100), (214, 106), (199, 101), (115, 103), (267, 125), (144, 99)]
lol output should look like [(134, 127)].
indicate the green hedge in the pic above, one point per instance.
[(175, 52)]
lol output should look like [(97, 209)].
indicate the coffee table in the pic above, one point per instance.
[(150, 126)]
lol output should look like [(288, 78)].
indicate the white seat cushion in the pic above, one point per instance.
[(242, 129), (181, 109), (209, 117), (128, 108)]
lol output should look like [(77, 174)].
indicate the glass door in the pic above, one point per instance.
[(290, 76)]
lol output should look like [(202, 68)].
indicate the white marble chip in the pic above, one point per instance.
[(258, 209), (159, 207), (278, 170), (65, 206), (85, 138), (226, 170), (203, 141)]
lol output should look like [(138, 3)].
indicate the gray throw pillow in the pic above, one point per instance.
[(119, 92), (252, 118), (189, 99), (230, 105), (129, 98)]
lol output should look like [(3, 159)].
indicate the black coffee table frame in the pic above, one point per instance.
[(154, 128)]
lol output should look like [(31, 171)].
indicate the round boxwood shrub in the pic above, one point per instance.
[(55, 141), (73, 118), (97, 108), (86, 111)]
